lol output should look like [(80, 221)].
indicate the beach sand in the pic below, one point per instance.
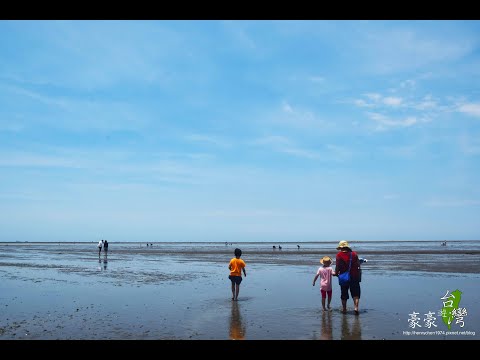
[(61, 292)]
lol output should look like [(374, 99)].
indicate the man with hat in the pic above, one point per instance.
[(342, 264)]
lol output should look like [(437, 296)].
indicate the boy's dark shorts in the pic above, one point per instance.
[(235, 279)]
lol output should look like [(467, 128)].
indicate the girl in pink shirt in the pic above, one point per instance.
[(325, 272)]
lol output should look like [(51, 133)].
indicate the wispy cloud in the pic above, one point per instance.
[(374, 96), (316, 79), (54, 101), (32, 160), (404, 48), (390, 196), (472, 109), (427, 103), (77, 114), (339, 153), (13, 125), (207, 139), (392, 101), (84, 59), (239, 34), (300, 152), (405, 110), (452, 203), (298, 117), (384, 122), (408, 84), (469, 144), (284, 145), (26, 195), (244, 213), (326, 152), (403, 151), (183, 168), (362, 103), (377, 100), (287, 108)]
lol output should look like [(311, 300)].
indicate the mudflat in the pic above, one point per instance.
[(67, 291)]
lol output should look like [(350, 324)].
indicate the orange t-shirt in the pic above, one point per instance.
[(236, 266)]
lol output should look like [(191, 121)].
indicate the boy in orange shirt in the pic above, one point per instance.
[(236, 266)]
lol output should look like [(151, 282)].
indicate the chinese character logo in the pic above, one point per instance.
[(451, 309)]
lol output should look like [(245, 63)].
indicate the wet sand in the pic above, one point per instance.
[(66, 291)]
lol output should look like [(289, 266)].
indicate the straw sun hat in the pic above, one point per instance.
[(343, 245), (326, 259)]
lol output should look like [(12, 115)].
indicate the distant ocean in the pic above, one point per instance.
[(361, 245)]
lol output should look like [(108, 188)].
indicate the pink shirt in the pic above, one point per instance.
[(325, 277)]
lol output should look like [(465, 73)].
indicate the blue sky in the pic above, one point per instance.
[(239, 130)]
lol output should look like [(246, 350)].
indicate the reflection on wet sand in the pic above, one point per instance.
[(326, 331), (351, 329), (105, 261), (237, 329)]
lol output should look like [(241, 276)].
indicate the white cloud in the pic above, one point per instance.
[(158, 167), (243, 213), (94, 54), (297, 118), (427, 103), (47, 100), (316, 79), (403, 111), (200, 138), (275, 140), (33, 160), (287, 108), (403, 49), (376, 99), (11, 126), (408, 84), (300, 152), (469, 145), (79, 115), (31, 196), (390, 196), (284, 145), (385, 122), (362, 103), (470, 109), (452, 202), (392, 101), (239, 35), (374, 96), (401, 151), (339, 152)]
